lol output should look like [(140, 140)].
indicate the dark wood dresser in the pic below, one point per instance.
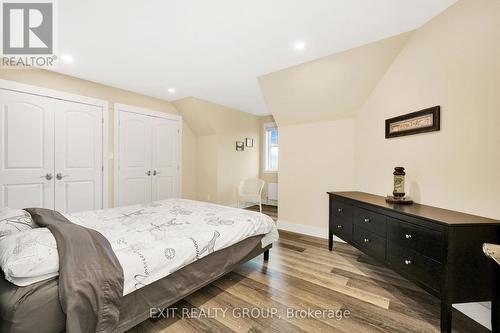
[(438, 249)]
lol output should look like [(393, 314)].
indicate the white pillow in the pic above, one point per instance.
[(22, 282), (15, 220), (30, 256)]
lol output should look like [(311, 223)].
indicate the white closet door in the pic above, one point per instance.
[(78, 157), (134, 159), (26, 150), (165, 155)]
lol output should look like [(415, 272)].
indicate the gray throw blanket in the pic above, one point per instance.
[(90, 276)]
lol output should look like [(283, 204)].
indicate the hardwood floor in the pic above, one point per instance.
[(302, 274), (271, 211)]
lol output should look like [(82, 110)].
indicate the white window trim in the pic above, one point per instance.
[(264, 140)]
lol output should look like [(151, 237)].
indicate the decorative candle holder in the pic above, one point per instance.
[(398, 194), (399, 182)]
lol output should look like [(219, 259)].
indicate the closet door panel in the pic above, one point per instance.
[(78, 157), (165, 147), (26, 150), (134, 159)]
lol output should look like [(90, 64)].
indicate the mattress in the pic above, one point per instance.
[(36, 308), (150, 240)]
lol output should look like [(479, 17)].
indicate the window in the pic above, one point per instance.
[(271, 138)]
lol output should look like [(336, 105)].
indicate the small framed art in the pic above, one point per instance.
[(428, 120)]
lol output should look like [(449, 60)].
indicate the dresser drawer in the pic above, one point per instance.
[(423, 240), (342, 210), (369, 242), (415, 266), (370, 220), (342, 228)]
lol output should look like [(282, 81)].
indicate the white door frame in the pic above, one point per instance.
[(56, 94), (152, 113)]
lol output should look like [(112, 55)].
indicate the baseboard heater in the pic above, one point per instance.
[(272, 191)]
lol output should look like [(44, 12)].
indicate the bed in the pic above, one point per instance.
[(208, 241)]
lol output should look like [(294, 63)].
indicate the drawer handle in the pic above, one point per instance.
[(367, 220), (340, 210), (408, 236), (340, 226), (407, 262), (366, 240)]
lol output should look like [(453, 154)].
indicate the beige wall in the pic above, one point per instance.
[(206, 155), (453, 61), (112, 95), (220, 167), (314, 158), (189, 163), (234, 165)]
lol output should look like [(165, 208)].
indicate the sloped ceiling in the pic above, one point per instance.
[(189, 108), (330, 88), (207, 118)]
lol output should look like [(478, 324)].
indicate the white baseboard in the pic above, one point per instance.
[(306, 230), (480, 312)]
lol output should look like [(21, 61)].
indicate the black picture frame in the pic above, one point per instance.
[(434, 112), (249, 142), (240, 146)]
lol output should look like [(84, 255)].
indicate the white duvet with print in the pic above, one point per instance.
[(153, 240)]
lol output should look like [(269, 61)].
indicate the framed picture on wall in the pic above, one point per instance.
[(240, 146), (249, 142), (428, 120)]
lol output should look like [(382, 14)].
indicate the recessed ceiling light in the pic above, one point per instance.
[(299, 45), (171, 90), (67, 58)]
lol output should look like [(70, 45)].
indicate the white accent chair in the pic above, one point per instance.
[(250, 190)]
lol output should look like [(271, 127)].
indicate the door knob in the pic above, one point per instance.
[(148, 173), (156, 173), (48, 176), (60, 176)]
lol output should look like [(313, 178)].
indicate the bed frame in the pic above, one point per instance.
[(40, 302), (264, 251)]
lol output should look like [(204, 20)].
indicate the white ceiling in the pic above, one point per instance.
[(216, 49)]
